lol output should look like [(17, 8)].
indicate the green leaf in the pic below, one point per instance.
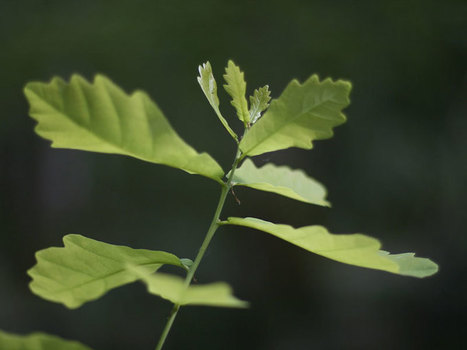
[(236, 88), (187, 263), (86, 269), (208, 85), (282, 180), (354, 249), (37, 341), (303, 113), (100, 117), (259, 102), (173, 288)]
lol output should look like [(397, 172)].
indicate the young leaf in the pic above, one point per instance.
[(282, 180), (259, 102), (37, 341), (208, 85), (354, 249), (303, 113), (86, 269), (100, 117), (236, 88), (174, 289)]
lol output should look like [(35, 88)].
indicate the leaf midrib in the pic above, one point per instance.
[(94, 279), (119, 149), (81, 127), (288, 121)]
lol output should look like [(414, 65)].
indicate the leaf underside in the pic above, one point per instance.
[(37, 341), (295, 184), (354, 249), (303, 113), (259, 102), (208, 85), (236, 88), (101, 117), (85, 269), (172, 288)]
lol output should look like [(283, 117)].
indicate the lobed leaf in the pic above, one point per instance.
[(37, 341), (295, 184), (236, 88), (259, 102), (303, 113), (208, 85), (85, 269), (354, 249), (173, 288), (100, 117)]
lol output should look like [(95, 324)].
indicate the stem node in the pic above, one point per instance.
[(215, 223)]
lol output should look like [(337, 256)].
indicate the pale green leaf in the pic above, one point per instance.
[(85, 269), (208, 85), (354, 249), (173, 288), (187, 263), (303, 113), (37, 341), (282, 180), (259, 102), (101, 117), (236, 88)]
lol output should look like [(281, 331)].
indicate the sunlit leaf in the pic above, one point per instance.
[(37, 341), (208, 85), (101, 117), (281, 180), (85, 269), (354, 249), (303, 113), (173, 288), (236, 88), (259, 102)]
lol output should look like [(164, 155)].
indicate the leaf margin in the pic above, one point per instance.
[(265, 126), (269, 170), (387, 262), (31, 340), (51, 287), (187, 295), (259, 102), (209, 87), (49, 126), (236, 88)]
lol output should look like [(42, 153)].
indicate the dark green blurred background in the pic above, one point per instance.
[(396, 170)]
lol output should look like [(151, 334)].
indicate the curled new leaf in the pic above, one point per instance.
[(100, 117), (354, 249), (37, 341), (85, 269), (174, 289), (303, 113), (282, 180), (208, 85), (259, 102)]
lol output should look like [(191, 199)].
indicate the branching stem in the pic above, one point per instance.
[(226, 187)]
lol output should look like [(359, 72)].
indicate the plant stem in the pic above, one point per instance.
[(167, 327), (214, 224), (207, 239)]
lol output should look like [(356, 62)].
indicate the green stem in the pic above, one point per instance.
[(167, 327), (202, 250)]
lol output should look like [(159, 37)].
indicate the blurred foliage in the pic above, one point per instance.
[(401, 157)]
